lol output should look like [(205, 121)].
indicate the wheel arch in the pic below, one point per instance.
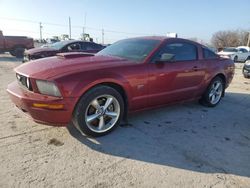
[(223, 77), (110, 83)]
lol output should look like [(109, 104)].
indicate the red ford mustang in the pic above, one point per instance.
[(97, 91)]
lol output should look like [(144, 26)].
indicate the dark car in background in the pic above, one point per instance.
[(62, 47), (246, 69)]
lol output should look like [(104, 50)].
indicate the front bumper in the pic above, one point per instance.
[(246, 71), (25, 99)]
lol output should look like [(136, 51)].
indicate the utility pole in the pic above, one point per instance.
[(69, 28), (248, 41), (40, 28), (83, 33), (84, 27), (102, 36)]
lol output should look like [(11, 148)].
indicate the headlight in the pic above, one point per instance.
[(247, 63), (28, 83), (48, 88)]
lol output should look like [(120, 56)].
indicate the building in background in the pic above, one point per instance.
[(172, 35)]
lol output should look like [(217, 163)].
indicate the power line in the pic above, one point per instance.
[(75, 26)]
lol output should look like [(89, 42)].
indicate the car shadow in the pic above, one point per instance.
[(186, 136)]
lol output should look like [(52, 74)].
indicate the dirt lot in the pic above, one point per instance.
[(186, 145)]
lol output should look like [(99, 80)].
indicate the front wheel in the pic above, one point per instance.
[(214, 92), (99, 111), (247, 59)]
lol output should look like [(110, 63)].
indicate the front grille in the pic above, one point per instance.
[(24, 81)]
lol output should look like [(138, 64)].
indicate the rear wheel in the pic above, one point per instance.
[(236, 59), (12, 52), (17, 52), (214, 92), (99, 111)]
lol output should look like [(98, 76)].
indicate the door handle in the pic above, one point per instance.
[(195, 68)]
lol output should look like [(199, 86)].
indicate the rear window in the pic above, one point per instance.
[(208, 54)]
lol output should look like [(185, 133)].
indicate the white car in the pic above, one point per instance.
[(228, 52), (242, 54)]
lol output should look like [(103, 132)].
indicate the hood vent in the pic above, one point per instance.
[(74, 55)]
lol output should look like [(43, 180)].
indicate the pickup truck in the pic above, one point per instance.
[(15, 44)]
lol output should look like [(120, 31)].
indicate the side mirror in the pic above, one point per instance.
[(165, 57)]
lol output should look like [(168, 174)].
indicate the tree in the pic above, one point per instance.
[(229, 38), (243, 35)]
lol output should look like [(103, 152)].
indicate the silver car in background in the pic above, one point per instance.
[(242, 55)]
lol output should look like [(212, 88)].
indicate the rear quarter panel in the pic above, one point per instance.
[(215, 67)]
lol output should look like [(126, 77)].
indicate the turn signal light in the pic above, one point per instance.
[(49, 106)]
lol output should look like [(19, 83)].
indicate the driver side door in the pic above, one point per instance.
[(177, 78)]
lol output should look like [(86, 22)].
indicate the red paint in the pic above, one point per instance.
[(146, 84)]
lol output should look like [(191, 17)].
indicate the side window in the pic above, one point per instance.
[(73, 47), (208, 54), (90, 46), (242, 50), (179, 51)]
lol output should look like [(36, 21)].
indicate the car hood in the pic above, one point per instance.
[(40, 50), (52, 67), (226, 53)]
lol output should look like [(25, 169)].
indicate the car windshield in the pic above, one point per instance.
[(58, 45), (229, 50), (132, 49)]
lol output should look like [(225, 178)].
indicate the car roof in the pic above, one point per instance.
[(164, 38), (154, 37), (73, 41)]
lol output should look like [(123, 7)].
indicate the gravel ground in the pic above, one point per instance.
[(185, 145)]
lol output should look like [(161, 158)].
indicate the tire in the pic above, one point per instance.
[(236, 59), (92, 114), (212, 96), (12, 52), (247, 59), (245, 75), (18, 52)]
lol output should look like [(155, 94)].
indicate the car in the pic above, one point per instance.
[(241, 55), (97, 91), (228, 52), (61, 47), (246, 69), (15, 45)]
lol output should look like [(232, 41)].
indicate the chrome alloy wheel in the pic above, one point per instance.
[(102, 113), (215, 92)]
